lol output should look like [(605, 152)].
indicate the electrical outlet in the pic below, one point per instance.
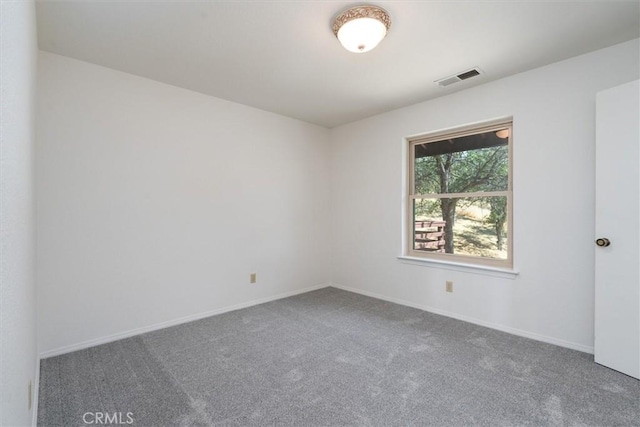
[(30, 395), (252, 278), (449, 286)]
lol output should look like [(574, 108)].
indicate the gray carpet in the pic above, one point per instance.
[(332, 357)]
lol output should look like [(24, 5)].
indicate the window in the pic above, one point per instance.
[(460, 206)]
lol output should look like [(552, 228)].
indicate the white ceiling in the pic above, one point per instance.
[(282, 56)]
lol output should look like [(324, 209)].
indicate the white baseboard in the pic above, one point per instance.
[(35, 394), (133, 332), (191, 318), (507, 329)]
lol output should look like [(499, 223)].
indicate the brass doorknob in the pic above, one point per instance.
[(603, 242)]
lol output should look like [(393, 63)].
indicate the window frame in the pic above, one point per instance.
[(409, 232)]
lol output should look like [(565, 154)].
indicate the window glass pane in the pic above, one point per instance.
[(472, 226), (466, 164)]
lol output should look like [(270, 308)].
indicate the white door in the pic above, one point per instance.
[(617, 298)]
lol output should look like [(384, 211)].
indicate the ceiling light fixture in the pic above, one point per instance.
[(361, 28), (503, 133)]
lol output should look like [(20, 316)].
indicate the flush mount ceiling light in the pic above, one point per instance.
[(361, 28), (503, 133)]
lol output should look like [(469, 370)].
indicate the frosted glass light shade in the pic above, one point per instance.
[(361, 35), (503, 133), (361, 28)]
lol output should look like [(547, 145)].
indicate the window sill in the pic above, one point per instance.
[(459, 266)]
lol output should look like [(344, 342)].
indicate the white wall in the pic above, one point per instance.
[(156, 203), (554, 131), (18, 352)]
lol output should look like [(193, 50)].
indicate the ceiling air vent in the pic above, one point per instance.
[(446, 81)]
